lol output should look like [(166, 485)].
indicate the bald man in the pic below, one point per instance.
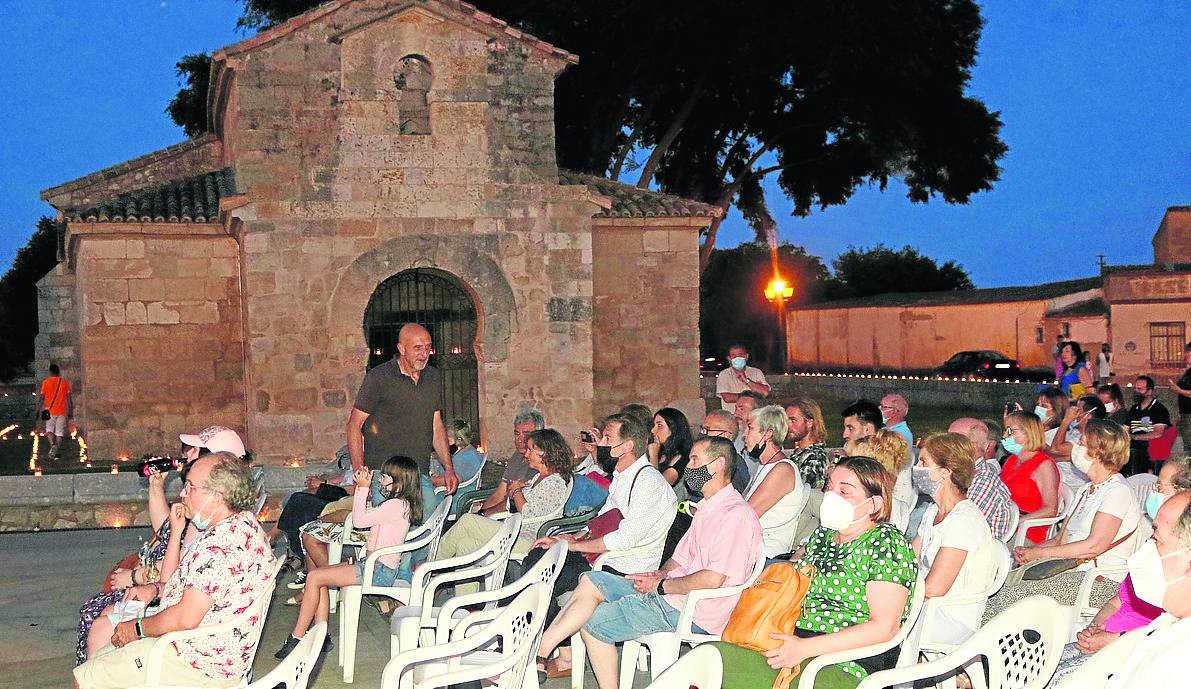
[(398, 411), (987, 490)]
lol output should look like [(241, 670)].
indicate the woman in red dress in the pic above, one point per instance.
[(1030, 474)]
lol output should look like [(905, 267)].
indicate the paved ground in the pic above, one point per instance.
[(45, 577)]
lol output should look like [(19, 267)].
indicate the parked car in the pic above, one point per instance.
[(712, 364), (984, 363)]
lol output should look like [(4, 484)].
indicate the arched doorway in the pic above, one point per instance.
[(435, 300)]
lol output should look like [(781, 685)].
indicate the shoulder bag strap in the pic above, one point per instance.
[(1067, 520), (55, 398)]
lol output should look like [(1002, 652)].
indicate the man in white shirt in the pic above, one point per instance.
[(644, 498), (738, 377), (1161, 575)]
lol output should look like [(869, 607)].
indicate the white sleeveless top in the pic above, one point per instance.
[(780, 523)]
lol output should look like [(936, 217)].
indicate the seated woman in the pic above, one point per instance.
[(773, 493), (954, 543), (860, 594), (150, 565), (466, 460), (670, 446), (545, 494), (1067, 433), (1124, 612), (893, 452), (1102, 529), (1028, 472), (388, 523)]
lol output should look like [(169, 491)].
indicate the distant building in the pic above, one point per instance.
[(1142, 311)]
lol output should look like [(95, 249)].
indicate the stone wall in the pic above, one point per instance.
[(1172, 241), (58, 327), (646, 316), (160, 337), (341, 197)]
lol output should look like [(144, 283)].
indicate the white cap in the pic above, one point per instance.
[(216, 439)]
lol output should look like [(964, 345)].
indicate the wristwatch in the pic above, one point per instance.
[(140, 633), (661, 582)]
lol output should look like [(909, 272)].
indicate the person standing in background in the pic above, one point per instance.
[(55, 407)]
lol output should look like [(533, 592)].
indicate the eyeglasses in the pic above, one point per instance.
[(188, 486), (713, 431)]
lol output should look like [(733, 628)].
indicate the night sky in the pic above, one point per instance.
[(1094, 97)]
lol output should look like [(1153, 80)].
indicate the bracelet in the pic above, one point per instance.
[(661, 586), (132, 573), (140, 633)]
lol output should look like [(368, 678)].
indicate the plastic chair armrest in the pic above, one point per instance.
[(472, 497), (565, 524)]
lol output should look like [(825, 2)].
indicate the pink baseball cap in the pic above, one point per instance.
[(216, 439)]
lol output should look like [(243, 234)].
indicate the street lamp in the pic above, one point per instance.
[(778, 291)]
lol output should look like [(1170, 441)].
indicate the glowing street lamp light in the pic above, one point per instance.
[(778, 291)]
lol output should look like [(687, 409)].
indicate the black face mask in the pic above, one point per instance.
[(696, 477), (605, 459), (756, 451), (452, 448)]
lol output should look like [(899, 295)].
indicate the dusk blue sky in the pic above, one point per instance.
[(1094, 96)]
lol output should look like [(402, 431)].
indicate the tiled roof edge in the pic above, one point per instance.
[(128, 166)]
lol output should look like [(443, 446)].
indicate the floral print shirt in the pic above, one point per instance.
[(232, 563)]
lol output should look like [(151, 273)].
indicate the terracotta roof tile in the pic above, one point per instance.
[(630, 202), (190, 200)]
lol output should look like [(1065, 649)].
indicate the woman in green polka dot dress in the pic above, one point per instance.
[(861, 592)]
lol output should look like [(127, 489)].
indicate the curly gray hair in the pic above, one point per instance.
[(232, 479)]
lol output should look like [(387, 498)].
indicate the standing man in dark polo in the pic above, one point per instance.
[(398, 411)]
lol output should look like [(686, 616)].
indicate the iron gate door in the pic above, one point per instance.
[(437, 302)]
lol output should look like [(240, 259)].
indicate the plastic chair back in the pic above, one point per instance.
[(294, 671)]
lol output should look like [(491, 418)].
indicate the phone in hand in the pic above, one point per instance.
[(586, 437)]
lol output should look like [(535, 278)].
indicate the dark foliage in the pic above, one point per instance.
[(18, 298)]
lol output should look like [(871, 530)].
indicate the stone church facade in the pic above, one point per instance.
[(368, 163)]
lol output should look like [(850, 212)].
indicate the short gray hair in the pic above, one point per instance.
[(539, 421), (1182, 528), (232, 479), (772, 418), (899, 400), (727, 417)]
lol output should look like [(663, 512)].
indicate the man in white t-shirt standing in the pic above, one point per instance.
[(738, 377)]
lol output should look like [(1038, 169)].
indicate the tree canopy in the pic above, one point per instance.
[(18, 297), (708, 99), (865, 272)]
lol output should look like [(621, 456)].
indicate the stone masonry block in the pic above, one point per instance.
[(152, 289), (158, 313), (135, 313), (113, 313)]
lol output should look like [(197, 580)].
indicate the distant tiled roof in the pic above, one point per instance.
[(992, 295), (1092, 307), (194, 199), (630, 202)]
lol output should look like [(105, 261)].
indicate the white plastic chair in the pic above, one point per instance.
[(701, 668), (806, 678), (1014, 522), (665, 646), (804, 496), (1021, 646), (294, 671), (488, 563), (1066, 507), (259, 610), (507, 637), (425, 536), (920, 641), (578, 649), (1103, 664), (1142, 485)]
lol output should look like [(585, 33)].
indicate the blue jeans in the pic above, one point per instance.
[(626, 614), (382, 575)]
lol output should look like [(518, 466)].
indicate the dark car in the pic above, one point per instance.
[(712, 364), (984, 363)]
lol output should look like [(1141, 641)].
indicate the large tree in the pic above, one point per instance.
[(865, 272), (18, 297), (711, 98)]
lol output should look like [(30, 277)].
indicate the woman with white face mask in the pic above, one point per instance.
[(954, 543), (865, 573), (1102, 529)]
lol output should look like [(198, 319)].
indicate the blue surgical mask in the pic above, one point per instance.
[(884, 420), (738, 362), (1153, 504), (198, 521), (1011, 445), (1041, 412)]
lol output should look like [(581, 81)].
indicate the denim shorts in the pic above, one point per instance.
[(382, 575), (626, 614)]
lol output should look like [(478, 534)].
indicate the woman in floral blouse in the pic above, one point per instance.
[(860, 594)]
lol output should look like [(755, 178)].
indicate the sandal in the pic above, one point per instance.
[(293, 600)]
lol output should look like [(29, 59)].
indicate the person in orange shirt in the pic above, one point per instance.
[(54, 406)]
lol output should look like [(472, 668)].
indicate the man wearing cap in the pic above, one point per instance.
[(398, 411)]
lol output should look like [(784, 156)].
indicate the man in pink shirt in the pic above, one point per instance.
[(719, 550)]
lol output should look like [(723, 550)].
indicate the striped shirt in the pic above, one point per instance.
[(991, 496)]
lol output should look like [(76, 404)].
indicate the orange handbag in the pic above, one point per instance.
[(772, 605)]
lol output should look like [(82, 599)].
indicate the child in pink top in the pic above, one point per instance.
[(388, 523)]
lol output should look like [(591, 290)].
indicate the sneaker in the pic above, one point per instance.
[(299, 582), (288, 647)]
